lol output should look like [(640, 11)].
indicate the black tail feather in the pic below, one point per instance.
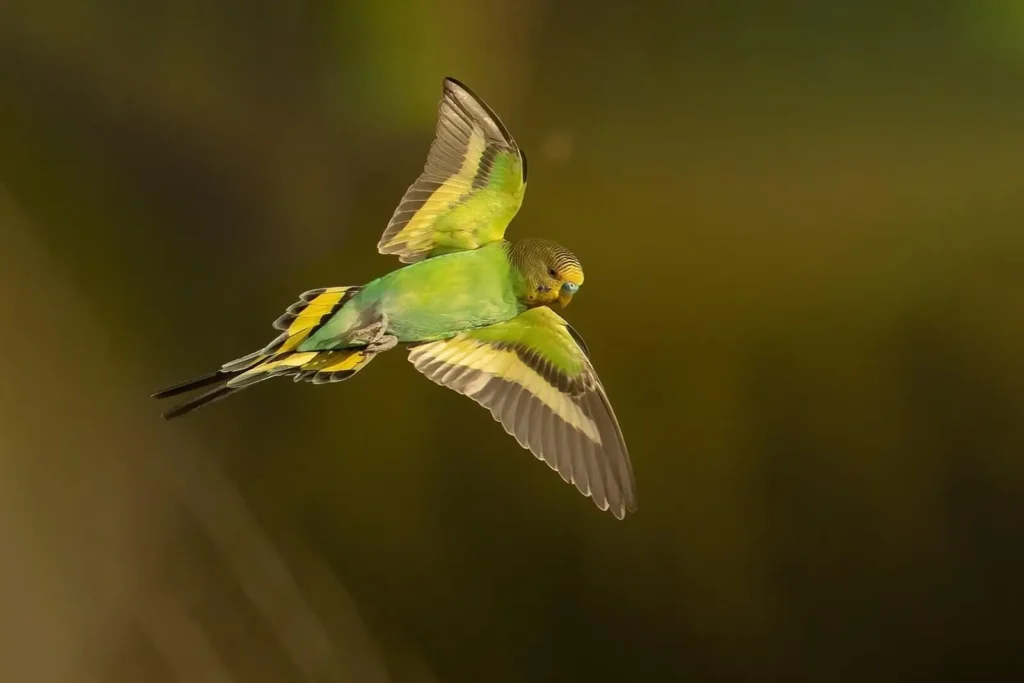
[(199, 401), (215, 394), (192, 384)]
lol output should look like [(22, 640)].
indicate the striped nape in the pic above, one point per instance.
[(563, 258), (534, 256)]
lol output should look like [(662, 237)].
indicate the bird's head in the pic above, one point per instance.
[(551, 273)]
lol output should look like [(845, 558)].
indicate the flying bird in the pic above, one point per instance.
[(473, 309)]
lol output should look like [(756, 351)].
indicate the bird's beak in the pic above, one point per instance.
[(564, 298)]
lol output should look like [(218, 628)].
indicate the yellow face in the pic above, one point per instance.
[(557, 284), (552, 273)]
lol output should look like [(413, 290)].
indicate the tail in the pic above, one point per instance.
[(279, 358), (222, 391)]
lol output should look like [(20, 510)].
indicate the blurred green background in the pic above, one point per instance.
[(802, 225)]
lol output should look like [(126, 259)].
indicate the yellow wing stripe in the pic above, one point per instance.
[(421, 225), (503, 363)]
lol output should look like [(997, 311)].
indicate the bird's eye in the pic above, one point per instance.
[(552, 272)]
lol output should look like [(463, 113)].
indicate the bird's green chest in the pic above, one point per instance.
[(444, 295)]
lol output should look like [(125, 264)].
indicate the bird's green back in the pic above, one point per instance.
[(433, 299)]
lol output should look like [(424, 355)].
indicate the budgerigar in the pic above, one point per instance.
[(473, 308)]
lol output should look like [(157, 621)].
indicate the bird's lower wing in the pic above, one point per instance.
[(532, 375)]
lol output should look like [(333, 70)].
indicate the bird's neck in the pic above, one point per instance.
[(527, 287)]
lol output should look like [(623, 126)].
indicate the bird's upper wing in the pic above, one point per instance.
[(470, 189), (538, 382)]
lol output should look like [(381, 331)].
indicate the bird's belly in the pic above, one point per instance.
[(414, 319), (424, 309)]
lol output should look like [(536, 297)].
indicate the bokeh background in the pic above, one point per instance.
[(802, 225)]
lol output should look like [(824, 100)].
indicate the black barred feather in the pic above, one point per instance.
[(284, 322)]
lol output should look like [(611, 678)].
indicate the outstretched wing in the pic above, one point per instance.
[(470, 189), (537, 381)]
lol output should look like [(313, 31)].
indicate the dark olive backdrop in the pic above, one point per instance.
[(802, 226)]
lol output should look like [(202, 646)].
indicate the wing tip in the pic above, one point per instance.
[(455, 86), (620, 510), (452, 81), (388, 247)]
